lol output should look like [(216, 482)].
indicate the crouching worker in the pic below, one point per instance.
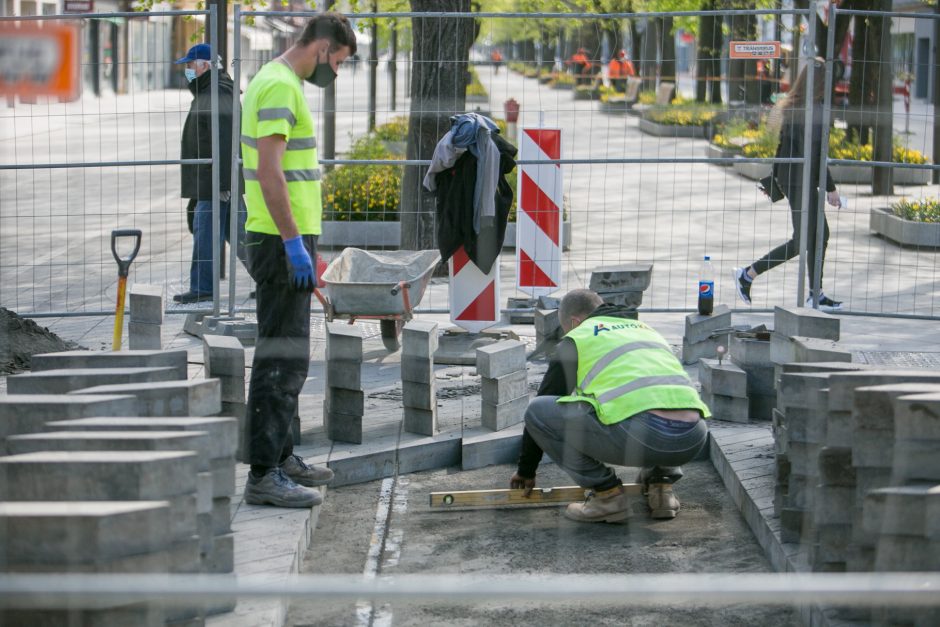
[(614, 393)]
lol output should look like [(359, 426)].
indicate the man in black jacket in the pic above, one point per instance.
[(197, 179)]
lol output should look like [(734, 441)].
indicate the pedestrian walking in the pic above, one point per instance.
[(282, 191), (196, 180), (615, 393), (789, 178)]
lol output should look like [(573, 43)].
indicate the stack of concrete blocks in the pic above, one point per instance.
[(724, 389), (193, 397), (547, 328), (804, 335), (704, 335), (146, 322), (752, 355), (343, 404), (505, 388), (224, 359), (622, 285), (419, 391), (65, 380)]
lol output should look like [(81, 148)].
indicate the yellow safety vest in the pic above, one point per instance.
[(625, 368), (275, 105)]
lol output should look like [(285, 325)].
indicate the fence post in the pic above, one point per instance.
[(807, 154), (216, 166), (235, 206)]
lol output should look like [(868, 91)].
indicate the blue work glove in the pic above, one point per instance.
[(300, 265)]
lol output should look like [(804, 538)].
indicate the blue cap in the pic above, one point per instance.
[(199, 51)]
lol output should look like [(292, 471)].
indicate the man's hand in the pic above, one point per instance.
[(301, 266), (833, 199), (518, 482)]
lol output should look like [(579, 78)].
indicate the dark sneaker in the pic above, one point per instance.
[(742, 285), (825, 303), (276, 488), (305, 474), (191, 297)]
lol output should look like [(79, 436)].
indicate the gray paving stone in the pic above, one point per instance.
[(691, 353), (222, 558), (918, 417), (842, 384), (872, 448), (835, 466), (223, 434), (223, 355), (905, 553), (727, 408), (630, 299), (343, 401), (699, 328), (146, 303), (506, 388), (419, 395), (809, 349), (343, 341), (63, 381), (805, 425), (905, 509), (803, 390), (839, 431), (481, 448), (750, 353), (828, 366), (873, 406), (782, 349), (223, 476), (29, 413), (726, 378), (915, 460), (416, 369), (421, 421), (184, 560), (144, 336), (547, 325), (419, 339), (833, 542), (621, 277), (342, 427), (499, 359), (498, 417), (345, 374), (412, 454), (232, 388), (173, 358), (835, 504), (204, 487), (805, 322), (197, 397), (761, 406), (221, 516)]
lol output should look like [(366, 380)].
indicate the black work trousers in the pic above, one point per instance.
[(282, 352)]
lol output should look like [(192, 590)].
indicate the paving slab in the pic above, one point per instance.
[(29, 413), (173, 358), (65, 380), (201, 397)]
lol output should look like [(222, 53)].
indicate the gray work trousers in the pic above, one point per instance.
[(577, 441)]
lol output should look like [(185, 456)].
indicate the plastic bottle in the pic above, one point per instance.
[(706, 288)]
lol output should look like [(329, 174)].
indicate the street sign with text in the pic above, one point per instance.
[(754, 49)]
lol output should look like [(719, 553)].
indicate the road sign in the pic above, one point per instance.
[(79, 6), (539, 219), (754, 49), (474, 296), (39, 60)]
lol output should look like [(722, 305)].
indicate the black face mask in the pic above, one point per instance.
[(323, 74)]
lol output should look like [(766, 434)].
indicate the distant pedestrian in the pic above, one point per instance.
[(196, 180), (497, 58), (789, 176)]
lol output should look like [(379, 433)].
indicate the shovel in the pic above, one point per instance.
[(124, 264)]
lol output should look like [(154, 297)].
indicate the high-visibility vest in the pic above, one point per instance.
[(275, 105), (625, 368)]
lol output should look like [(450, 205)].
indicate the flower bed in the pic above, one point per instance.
[(680, 119), (909, 223)]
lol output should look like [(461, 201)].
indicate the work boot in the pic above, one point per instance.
[(608, 506), (663, 503), (305, 474), (276, 488)]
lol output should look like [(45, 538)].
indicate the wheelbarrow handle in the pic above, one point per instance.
[(398, 288), (124, 263)]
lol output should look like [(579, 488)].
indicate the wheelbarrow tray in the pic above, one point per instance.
[(360, 282)]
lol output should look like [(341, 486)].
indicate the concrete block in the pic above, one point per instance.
[(169, 398), (699, 328), (873, 406), (144, 336), (833, 542), (760, 380), (782, 349), (547, 324), (872, 449), (691, 353), (63, 381), (805, 425), (761, 406), (204, 493), (804, 390), (809, 349), (28, 413), (419, 395), (791, 525), (223, 432), (175, 359), (835, 466), (842, 385), (342, 427), (727, 408), (506, 388), (628, 299), (835, 504), (343, 342), (726, 378), (146, 303), (137, 614), (223, 355), (839, 428), (750, 353), (223, 476), (481, 448), (345, 374), (232, 388), (193, 324), (184, 559), (521, 317), (498, 417), (915, 460), (345, 401), (421, 420), (805, 322), (419, 339), (827, 366), (221, 516), (634, 277), (905, 509), (917, 417), (501, 358), (417, 370), (803, 458), (905, 553), (222, 558)]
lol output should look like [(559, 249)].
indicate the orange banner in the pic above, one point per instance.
[(39, 59)]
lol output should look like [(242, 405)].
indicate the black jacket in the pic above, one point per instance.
[(561, 379), (455, 208), (196, 180), (790, 175)]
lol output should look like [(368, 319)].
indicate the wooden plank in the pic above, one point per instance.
[(465, 499)]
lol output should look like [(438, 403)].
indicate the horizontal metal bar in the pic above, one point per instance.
[(625, 160), (541, 16), (892, 164), (868, 13), (93, 16), (83, 314), (101, 164)]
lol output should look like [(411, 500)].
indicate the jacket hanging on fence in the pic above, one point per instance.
[(460, 220)]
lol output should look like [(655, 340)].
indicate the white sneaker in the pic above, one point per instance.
[(825, 303)]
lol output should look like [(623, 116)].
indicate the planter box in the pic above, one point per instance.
[(616, 107), (904, 232), (862, 175), (563, 86), (717, 152), (753, 171), (388, 235), (477, 100), (671, 130), (586, 95)]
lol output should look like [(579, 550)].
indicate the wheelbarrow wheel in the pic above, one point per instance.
[(390, 330)]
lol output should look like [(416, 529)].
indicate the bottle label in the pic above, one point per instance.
[(706, 289)]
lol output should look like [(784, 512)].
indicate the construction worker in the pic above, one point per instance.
[(581, 66), (615, 393), (620, 69), (282, 191)]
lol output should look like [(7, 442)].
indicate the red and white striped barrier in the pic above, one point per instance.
[(538, 220), (474, 296)]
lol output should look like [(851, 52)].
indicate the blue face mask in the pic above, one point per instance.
[(190, 75)]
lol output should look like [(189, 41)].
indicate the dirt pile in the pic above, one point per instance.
[(21, 338)]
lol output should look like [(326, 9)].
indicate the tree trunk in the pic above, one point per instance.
[(708, 63), (883, 145), (742, 74), (647, 67), (393, 66), (667, 51), (936, 93), (438, 91), (328, 144), (373, 67)]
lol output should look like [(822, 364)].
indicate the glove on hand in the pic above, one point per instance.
[(300, 264)]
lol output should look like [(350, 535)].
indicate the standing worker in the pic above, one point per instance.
[(789, 176), (613, 393), (282, 191), (196, 180)]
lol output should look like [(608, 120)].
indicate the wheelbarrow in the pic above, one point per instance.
[(383, 286)]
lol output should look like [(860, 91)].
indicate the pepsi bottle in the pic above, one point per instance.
[(706, 288)]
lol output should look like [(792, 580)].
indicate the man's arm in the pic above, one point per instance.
[(273, 184)]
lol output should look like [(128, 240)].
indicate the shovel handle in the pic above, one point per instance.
[(124, 263)]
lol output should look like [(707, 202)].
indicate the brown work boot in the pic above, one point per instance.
[(608, 506), (663, 503)]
